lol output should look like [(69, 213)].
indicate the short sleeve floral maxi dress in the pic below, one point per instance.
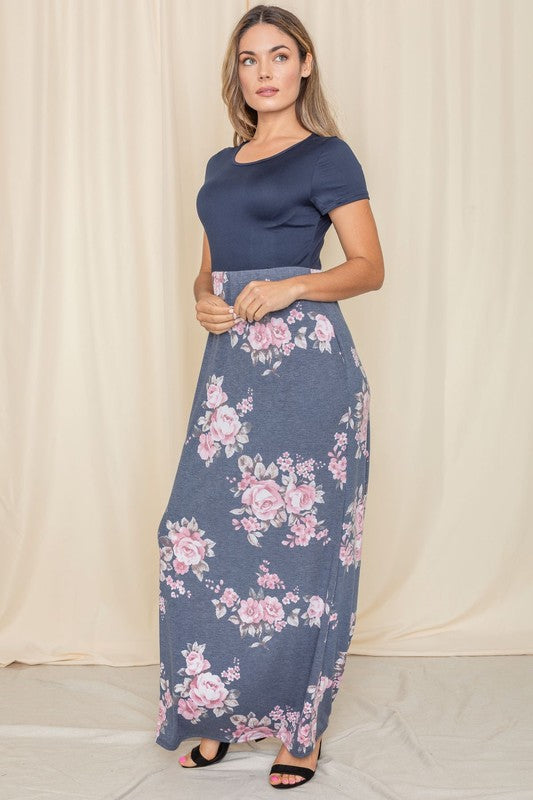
[(260, 542)]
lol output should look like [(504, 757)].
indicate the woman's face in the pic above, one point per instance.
[(269, 57)]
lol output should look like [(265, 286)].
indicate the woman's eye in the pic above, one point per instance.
[(250, 58)]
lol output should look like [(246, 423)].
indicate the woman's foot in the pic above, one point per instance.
[(286, 758), (208, 749)]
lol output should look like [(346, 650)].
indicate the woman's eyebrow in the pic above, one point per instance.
[(277, 47)]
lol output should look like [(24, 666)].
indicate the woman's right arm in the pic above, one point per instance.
[(203, 284), (212, 311)]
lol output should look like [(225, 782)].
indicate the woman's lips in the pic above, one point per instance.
[(267, 92)]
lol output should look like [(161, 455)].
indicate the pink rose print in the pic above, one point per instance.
[(337, 466), (282, 493), (304, 734), (362, 415), (249, 728), (338, 673), (221, 426), (358, 364), (351, 542), (264, 498), (251, 610), (229, 597), (207, 449), (260, 615), (304, 530), (272, 610), (346, 555), (232, 673), (289, 596), (288, 724), (240, 326), (315, 610), (323, 332), (299, 498), (208, 690), (189, 710), (201, 690), (216, 396), (362, 407), (356, 420), (225, 425), (196, 662), (165, 700), (333, 619), (257, 615), (271, 580), (218, 279), (270, 339), (182, 550), (337, 461), (267, 340), (259, 336), (189, 550), (279, 332)]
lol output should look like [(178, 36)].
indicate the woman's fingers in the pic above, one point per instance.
[(223, 316), (220, 327), (217, 321)]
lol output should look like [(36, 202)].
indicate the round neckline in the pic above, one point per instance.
[(267, 158)]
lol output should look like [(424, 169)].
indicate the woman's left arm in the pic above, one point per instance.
[(363, 271)]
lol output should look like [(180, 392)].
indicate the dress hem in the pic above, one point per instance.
[(248, 741)]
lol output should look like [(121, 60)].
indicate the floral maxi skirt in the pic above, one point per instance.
[(260, 543)]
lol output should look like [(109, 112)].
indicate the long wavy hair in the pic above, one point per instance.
[(312, 108)]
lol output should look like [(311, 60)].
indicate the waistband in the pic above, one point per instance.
[(238, 278)]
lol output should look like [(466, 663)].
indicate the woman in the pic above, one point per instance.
[(261, 538)]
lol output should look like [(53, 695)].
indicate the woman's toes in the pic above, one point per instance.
[(208, 749), (285, 778)]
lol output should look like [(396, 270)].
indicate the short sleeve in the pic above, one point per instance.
[(211, 164), (338, 176), (208, 166)]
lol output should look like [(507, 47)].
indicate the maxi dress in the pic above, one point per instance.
[(260, 542)]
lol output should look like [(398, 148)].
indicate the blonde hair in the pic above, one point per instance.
[(312, 108)]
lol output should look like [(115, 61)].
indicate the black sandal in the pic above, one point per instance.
[(304, 772), (201, 761)]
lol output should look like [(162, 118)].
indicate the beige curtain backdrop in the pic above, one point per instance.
[(109, 110)]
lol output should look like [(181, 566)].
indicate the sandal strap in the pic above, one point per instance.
[(201, 761), (292, 769)]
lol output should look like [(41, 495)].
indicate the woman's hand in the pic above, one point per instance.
[(214, 314), (260, 297)]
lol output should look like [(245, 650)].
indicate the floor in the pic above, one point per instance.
[(457, 728)]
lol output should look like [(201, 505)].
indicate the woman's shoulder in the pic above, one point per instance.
[(338, 176), (218, 159), (222, 153), (334, 145), (337, 153)]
